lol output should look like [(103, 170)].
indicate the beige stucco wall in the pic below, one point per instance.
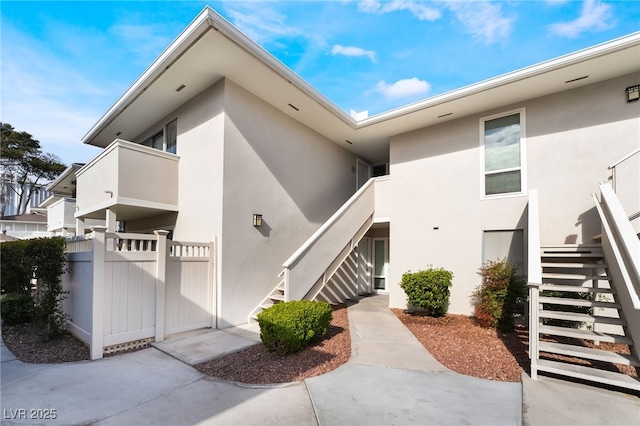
[(281, 169), (571, 138), (240, 156)]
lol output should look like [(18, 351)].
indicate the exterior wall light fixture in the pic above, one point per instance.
[(257, 220), (633, 93)]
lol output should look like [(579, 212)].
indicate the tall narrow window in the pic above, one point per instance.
[(172, 136), (503, 155)]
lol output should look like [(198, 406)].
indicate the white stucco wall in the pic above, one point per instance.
[(571, 138), (281, 169)]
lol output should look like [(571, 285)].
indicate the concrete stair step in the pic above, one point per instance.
[(577, 265), (576, 333), (581, 277), (588, 353), (577, 255), (575, 288), (590, 374), (571, 247), (566, 301), (578, 317)]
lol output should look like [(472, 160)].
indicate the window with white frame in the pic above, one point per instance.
[(503, 154)]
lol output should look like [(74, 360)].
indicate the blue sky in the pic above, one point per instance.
[(63, 64)]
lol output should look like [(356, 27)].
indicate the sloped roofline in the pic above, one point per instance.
[(209, 20)]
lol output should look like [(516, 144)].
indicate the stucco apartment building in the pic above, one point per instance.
[(218, 134)]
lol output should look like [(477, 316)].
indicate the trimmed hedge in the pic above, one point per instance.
[(428, 290), (288, 327), (42, 260), (16, 309), (15, 268)]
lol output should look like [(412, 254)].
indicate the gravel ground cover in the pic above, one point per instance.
[(456, 341)]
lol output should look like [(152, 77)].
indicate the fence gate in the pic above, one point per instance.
[(189, 287)]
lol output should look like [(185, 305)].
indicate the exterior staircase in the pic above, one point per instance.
[(276, 296), (576, 303)]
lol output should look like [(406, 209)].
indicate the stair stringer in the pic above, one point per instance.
[(338, 262)]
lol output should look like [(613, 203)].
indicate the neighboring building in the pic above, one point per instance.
[(24, 226), (61, 204), (11, 199), (217, 131)]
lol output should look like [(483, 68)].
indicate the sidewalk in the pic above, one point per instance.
[(390, 379)]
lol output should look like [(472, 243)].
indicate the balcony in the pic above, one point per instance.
[(60, 215), (128, 180)]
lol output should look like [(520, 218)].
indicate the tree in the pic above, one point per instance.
[(23, 166)]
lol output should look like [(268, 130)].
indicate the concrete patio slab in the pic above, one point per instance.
[(86, 392), (549, 401), (366, 395), (216, 402), (194, 347)]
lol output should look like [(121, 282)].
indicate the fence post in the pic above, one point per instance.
[(161, 274), (97, 318)]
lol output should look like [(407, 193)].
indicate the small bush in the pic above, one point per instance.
[(16, 309), (288, 327), (428, 290), (496, 298)]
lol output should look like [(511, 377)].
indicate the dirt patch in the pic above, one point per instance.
[(28, 344)]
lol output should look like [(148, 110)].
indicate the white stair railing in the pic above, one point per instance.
[(534, 274), (308, 264), (626, 184)]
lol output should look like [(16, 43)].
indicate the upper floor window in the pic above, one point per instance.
[(156, 141), (166, 139), (503, 154)]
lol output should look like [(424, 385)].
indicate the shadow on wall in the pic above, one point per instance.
[(589, 223)]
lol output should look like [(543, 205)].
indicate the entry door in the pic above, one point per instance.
[(380, 264), (364, 266), (363, 173)]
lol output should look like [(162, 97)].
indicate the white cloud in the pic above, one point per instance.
[(594, 16), (353, 51), (483, 20), (403, 88), (260, 21), (146, 38), (420, 10)]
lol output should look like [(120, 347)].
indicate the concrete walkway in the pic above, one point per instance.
[(390, 379)]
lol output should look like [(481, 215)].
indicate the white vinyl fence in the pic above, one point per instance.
[(131, 287)]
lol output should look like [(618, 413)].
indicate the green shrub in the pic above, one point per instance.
[(16, 309), (48, 256), (15, 268), (428, 290), (288, 327), (44, 261), (496, 298)]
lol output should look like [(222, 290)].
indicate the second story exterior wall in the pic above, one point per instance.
[(283, 170), (238, 156), (569, 139)]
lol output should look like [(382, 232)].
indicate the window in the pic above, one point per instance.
[(172, 136), (504, 244), (158, 141), (503, 154), (155, 141)]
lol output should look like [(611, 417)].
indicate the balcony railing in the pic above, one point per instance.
[(130, 179)]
